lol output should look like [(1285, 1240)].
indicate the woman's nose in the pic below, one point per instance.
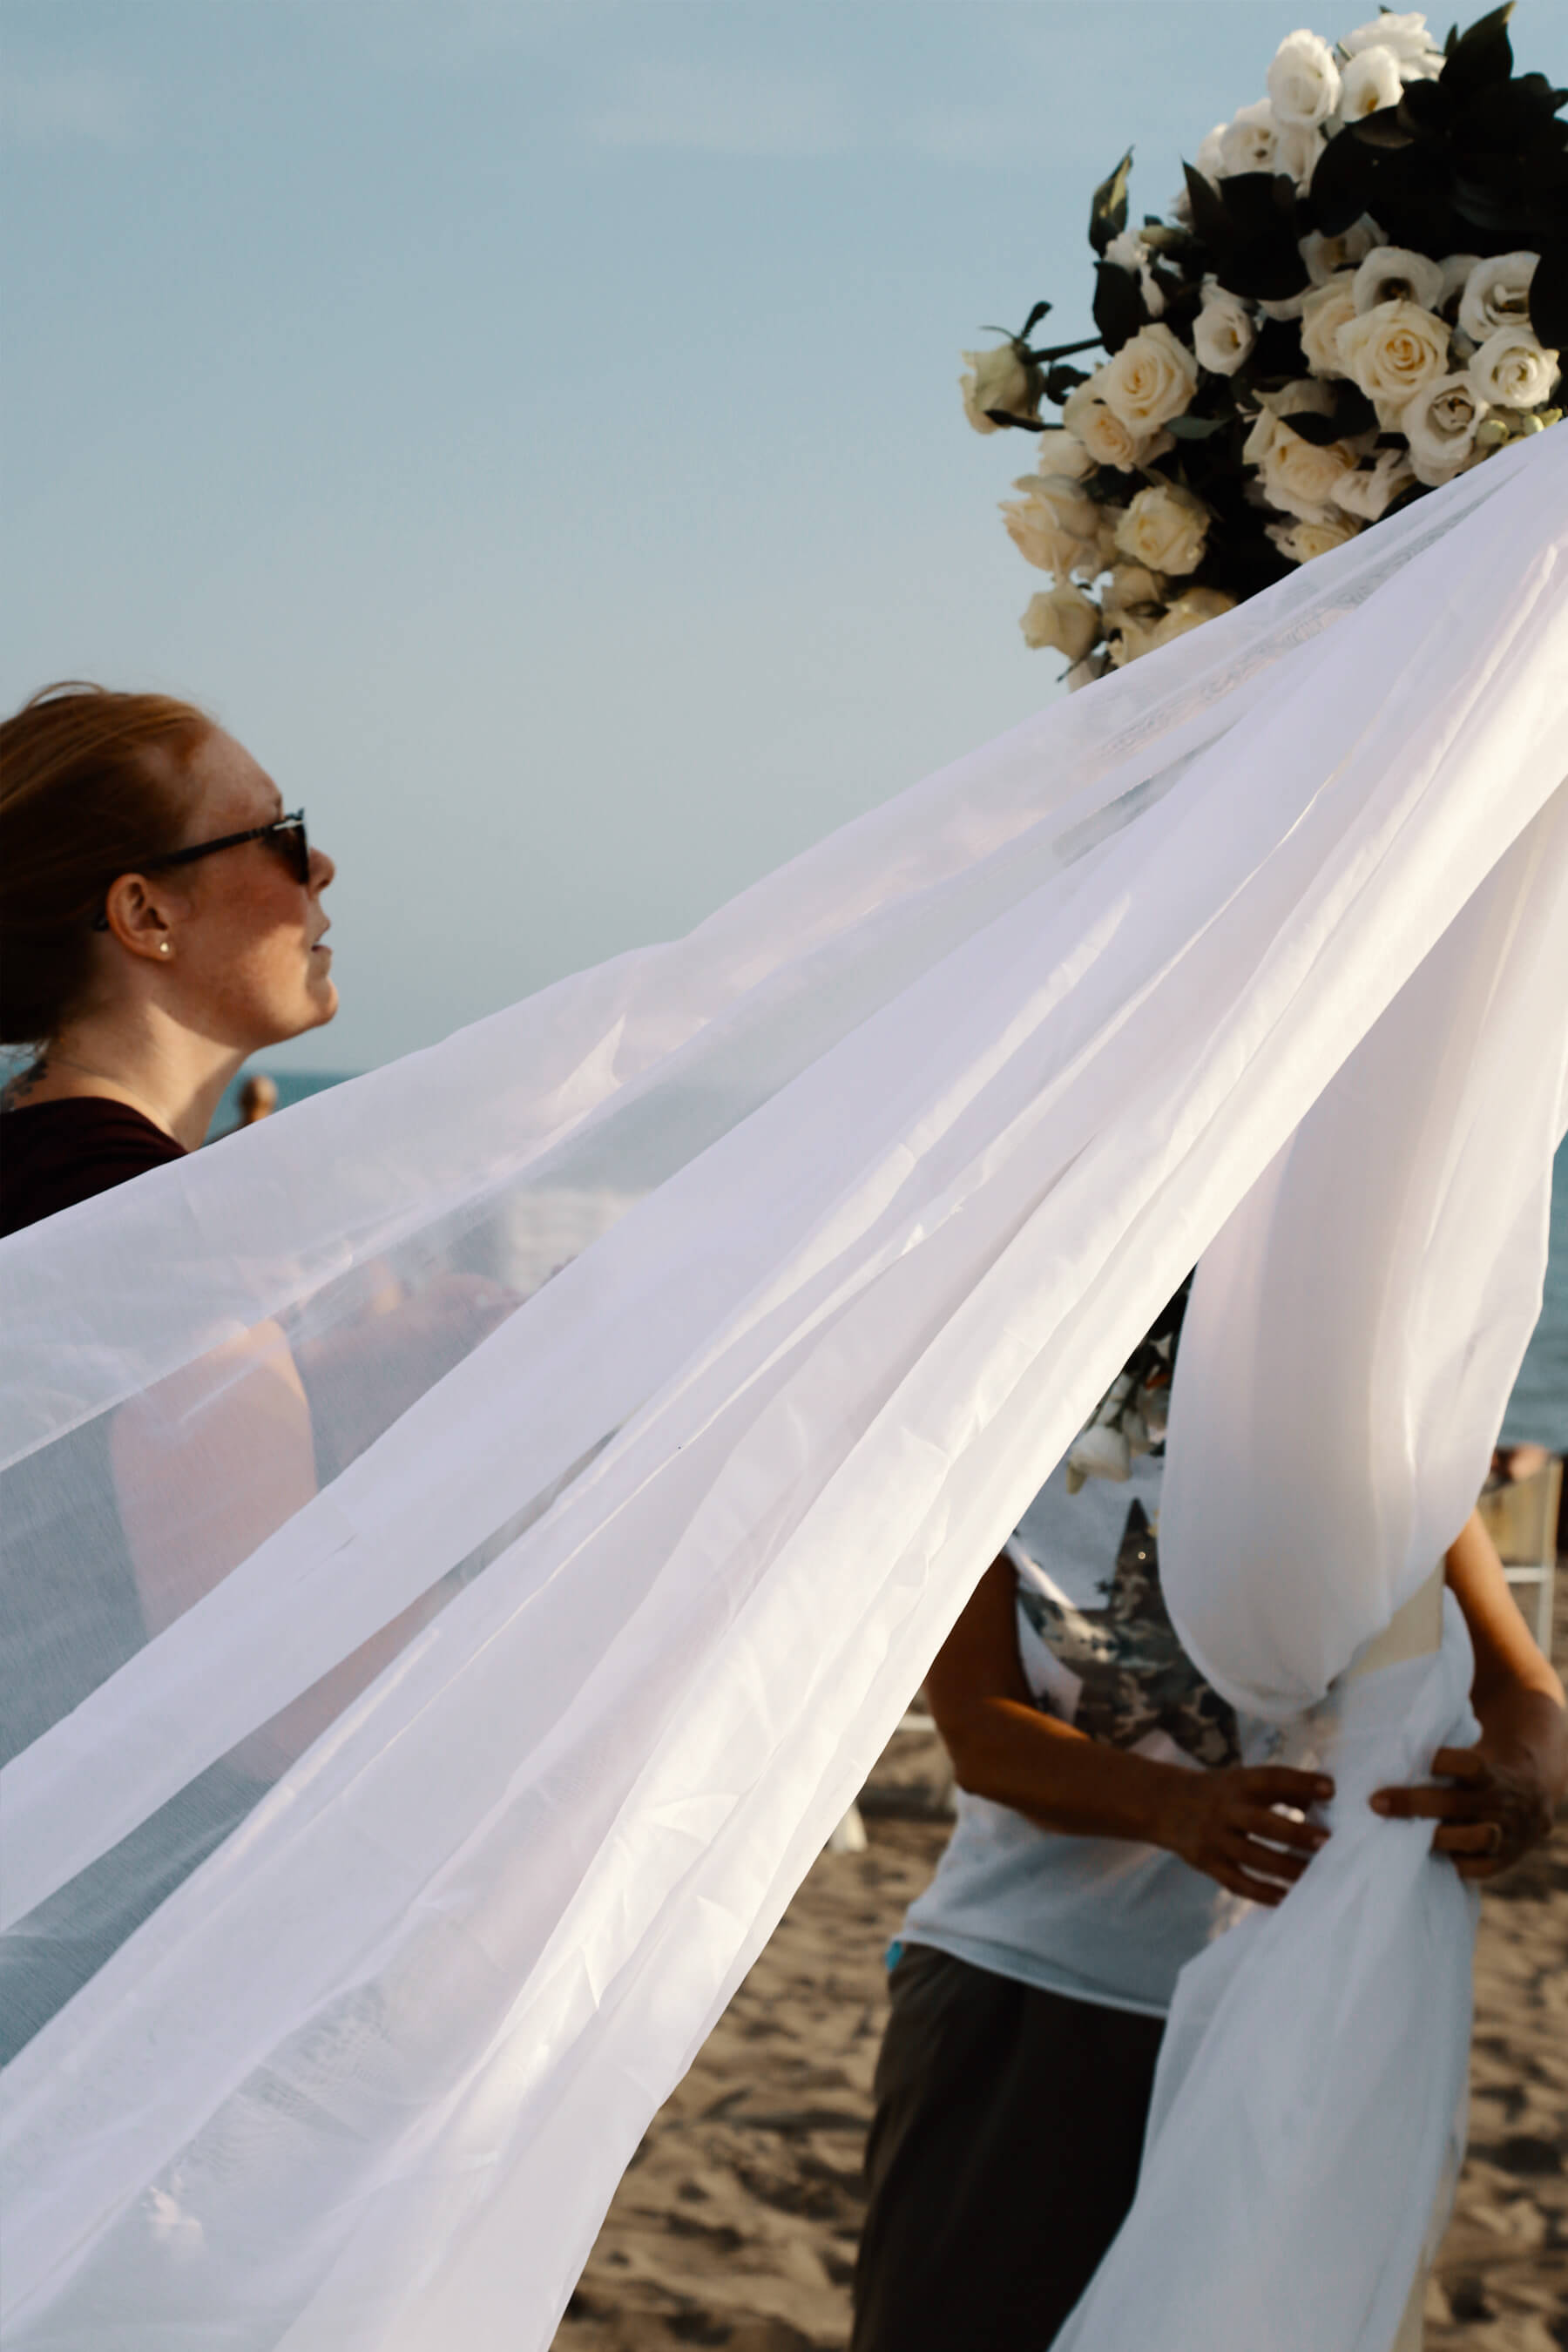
[(322, 869)]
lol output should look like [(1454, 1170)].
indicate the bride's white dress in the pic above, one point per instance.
[(851, 1204)]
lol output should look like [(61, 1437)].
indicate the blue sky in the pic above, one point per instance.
[(532, 428)]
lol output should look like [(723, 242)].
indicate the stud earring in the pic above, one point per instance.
[(163, 948)]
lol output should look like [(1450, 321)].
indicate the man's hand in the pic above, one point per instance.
[(1500, 1795), (1224, 1823)]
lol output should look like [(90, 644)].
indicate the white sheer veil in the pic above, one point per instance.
[(379, 1848)]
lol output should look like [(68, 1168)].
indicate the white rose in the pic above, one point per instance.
[(1108, 440), (1301, 477), (1326, 311), (1064, 617), (1440, 425), (1305, 393), (1165, 528), (1370, 491), (1210, 157), (1394, 352), (1129, 585), (1246, 142), (1111, 519), (1223, 331), (1314, 535), (1291, 308), (1043, 526), (1497, 294), (1325, 257), (1456, 277), (1297, 147), (1061, 452), (1128, 252), (1067, 500), (999, 379), (1406, 38), (1151, 379), (1513, 369), (1370, 82), (1191, 609), (1303, 80), (1132, 638), (1391, 274)]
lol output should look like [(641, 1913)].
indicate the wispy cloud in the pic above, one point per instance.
[(453, 37), (1004, 137), (51, 106), (726, 110)]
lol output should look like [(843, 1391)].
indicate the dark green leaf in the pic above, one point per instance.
[(1257, 203), (1482, 54), (1278, 351), (1386, 128), (1165, 238), (1107, 211), (1425, 109), (1481, 203), (1319, 430), (1353, 412), (1119, 306), (1032, 321), (1209, 217), (1061, 381), (1344, 183), (1064, 350), (1549, 299), (1195, 428), (1004, 416)]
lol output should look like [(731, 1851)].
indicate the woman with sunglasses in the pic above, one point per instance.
[(163, 921)]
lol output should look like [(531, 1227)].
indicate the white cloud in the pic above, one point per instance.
[(48, 106), (725, 111)]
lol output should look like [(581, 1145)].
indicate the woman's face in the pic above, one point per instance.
[(247, 966)]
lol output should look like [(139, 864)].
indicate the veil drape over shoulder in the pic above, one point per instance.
[(380, 1840)]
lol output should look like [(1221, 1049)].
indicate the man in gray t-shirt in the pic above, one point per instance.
[(1107, 1828), (1109, 1919)]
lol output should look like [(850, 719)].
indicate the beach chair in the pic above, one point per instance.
[(1521, 1519)]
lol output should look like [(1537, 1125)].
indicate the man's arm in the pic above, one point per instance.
[(1004, 1747), (1501, 1794)]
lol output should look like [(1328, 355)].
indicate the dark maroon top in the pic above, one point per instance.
[(54, 1154)]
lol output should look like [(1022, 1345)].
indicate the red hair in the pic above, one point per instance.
[(92, 782)]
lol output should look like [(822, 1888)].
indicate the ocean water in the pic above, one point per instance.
[(1537, 1410)]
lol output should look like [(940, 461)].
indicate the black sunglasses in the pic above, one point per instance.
[(287, 835)]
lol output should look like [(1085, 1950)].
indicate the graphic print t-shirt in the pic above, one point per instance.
[(1101, 1919)]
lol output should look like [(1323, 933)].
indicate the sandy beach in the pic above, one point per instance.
[(736, 2224)]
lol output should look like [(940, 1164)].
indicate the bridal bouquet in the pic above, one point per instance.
[(1362, 289)]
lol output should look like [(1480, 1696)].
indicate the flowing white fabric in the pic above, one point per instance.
[(1360, 1308), (471, 1783)]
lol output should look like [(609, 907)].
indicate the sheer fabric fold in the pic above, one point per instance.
[(467, 1538)]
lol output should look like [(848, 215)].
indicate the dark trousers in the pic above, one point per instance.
[(1002, 2159)]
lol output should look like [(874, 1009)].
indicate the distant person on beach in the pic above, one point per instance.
[(257, 1098), (1113, 1817)]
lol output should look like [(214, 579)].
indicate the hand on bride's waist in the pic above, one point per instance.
[(1496, 1801), (1493, 1801)]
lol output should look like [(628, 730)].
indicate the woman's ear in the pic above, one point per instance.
[(140, 918)]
